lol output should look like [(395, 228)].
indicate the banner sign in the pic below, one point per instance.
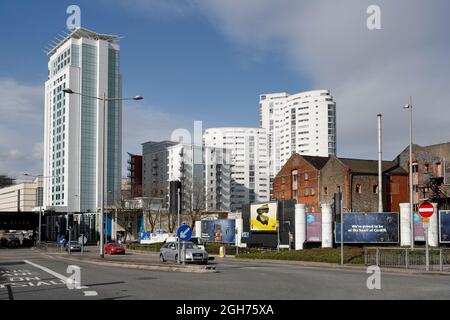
[(263, 217), (369, 228), (444, 226), (223, 231), (314, 227)]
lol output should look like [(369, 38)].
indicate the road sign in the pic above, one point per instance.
[(426, 210), (184, 233), (245, 235), (62, 240)]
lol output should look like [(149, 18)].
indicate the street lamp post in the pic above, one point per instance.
[(104, 99), (411, 206)]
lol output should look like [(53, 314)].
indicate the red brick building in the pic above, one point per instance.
[(314, 180), (358, 181), (299, 179)]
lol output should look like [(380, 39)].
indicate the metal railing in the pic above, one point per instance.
[(408, 258)]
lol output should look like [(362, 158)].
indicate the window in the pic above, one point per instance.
[(375, 189), (306, 176), (306, 192), (426, 167), (325, 190), (415, 167), (358, 188)]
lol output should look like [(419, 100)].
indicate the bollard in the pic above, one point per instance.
[(441, 267), (222, 252)]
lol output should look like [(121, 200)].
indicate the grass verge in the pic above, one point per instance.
[(352, 255)]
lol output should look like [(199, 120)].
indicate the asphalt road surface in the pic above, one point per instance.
[(26, 274)]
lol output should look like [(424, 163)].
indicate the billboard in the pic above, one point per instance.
[(263, 217), (419, 231), (314, 227), (369, 228), (444, 226), (223, 231)]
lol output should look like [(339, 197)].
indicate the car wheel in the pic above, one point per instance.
[(176, 258), (161, 258)]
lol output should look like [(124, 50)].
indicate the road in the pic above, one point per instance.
[(33, 275)]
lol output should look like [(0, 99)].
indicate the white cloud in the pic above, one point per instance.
[(21, 127), (369, 72), (22, 131)]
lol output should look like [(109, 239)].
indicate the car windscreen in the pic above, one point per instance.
[(191, 245)]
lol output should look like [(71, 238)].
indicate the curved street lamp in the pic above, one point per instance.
[(102, 207)]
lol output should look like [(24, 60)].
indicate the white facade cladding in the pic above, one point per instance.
[(185, 164), (87, 63), (249, 163), (218, 167), (303, 123)]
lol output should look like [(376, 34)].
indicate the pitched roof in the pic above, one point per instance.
[(317, 162), (371, 166)]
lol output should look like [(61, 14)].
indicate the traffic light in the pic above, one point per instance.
[(175, 186), (69, 220)]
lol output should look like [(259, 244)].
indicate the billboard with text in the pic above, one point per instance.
[(369, 228), (444, 226)]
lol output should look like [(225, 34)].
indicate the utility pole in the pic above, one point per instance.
[(380, 165), (411, 205)]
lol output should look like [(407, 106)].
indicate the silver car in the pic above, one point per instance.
[(169, 252), (74, 246)]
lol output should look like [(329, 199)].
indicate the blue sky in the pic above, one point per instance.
[(210, 59), (178, 63)]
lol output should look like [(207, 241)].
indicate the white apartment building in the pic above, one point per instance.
[(185, 164), (303, 123), (218, 165), (88, 63), (249, 163)]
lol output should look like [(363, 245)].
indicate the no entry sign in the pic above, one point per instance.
[(426, 210)]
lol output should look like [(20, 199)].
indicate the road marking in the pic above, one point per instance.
[(90, 293), (53, 273)]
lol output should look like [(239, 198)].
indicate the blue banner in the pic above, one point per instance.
[(222, 231), (369, 228), (444, 226)]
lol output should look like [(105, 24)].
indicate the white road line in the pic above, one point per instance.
[(90, 293), (53, 273)]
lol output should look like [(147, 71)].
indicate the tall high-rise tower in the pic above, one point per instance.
[(88, 63)]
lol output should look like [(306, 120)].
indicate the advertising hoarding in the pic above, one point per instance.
[(223, 231), (263, 217), (419, 231), (314, 227), (444, 226), (369, 228)]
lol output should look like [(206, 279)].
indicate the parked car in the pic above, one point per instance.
[(199, 242), (75, 246), (114, 248), (10, 242), (169, 252)]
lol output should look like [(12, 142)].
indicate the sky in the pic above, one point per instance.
[(210, 60)]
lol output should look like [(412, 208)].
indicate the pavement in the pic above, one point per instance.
[(33, 275)]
